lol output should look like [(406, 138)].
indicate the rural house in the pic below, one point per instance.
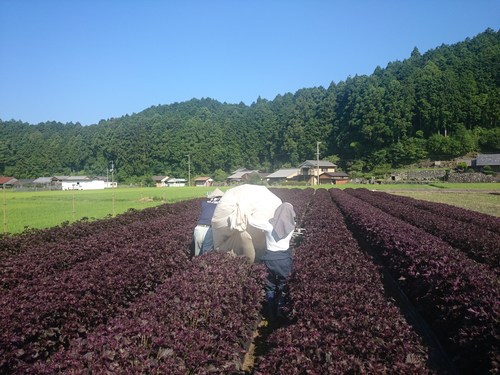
[(44, 182), (491, 160), (241, 175), (175, 182), (283, 175), (335, 178), (83, 183), (309, 170), (24, 183), (70, 182), (203, 181), (7, 181), (160, 181)]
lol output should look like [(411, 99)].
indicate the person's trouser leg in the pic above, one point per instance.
[(199, 235), (270, 303), (280, 298), (208, 242), (278, 270)]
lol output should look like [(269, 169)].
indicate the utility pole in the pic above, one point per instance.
[(4, 212), (189, 169), (112, 185), (317, 158)]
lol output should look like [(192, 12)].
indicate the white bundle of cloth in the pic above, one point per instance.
[(229, 223)]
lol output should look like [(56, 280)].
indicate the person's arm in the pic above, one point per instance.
[(264, 225)]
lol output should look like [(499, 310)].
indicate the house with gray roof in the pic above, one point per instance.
[(44, 181), (241, 175), (333, 178), (483, 160), (160, 181), (310, 169), (176, 182), (283, 175)]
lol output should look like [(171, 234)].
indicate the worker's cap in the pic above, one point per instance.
[(216, 193)]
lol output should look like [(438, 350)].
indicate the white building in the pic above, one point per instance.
[(83, 183), (176, 182)]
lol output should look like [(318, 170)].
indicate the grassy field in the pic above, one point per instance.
[(481, 197), (42, 209)]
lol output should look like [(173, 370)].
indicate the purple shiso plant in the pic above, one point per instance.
[(199, 321), (41, 315), (477, 219), (33, 241), (477, 242), (341, 320), (51, 258), (457, 296), (120, 295)]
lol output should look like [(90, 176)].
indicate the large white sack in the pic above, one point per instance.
[(230, 230)]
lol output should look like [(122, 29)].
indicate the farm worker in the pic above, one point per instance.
[(278, 255), (202, 235)]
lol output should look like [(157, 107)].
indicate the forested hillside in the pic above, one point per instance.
[(439, 104)]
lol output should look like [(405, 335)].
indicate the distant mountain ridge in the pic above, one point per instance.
[(443, 103)]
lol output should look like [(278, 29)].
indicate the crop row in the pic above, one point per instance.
[(31, 240), (478, 219), (299, 198), (201, 320), (342, 322), (51, 258), (458, 297), (477, 242), (139, 305), (39, 317)]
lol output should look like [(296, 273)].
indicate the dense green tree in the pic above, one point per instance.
[(442, 103)]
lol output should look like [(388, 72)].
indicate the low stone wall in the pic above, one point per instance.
[(427, 175), (471, 177)]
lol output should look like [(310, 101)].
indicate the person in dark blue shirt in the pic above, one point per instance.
[(202, 235)]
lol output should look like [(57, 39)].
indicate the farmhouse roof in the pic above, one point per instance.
[(159, 178), (284, 173), (202, 178), (334, 174), (171, 180), (70, 178), (77, 178), (7, 180), (42, 180), (59, 178), (24, 181), (314, 164), (487, 159), (239, 173)]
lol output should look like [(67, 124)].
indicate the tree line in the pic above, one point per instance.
[(441, 104)]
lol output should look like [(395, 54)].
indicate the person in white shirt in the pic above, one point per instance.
[(202, 235), (278, 255)]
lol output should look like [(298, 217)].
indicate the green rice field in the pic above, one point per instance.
[(43, 209)]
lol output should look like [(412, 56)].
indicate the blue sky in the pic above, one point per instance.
[(88, 60)]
